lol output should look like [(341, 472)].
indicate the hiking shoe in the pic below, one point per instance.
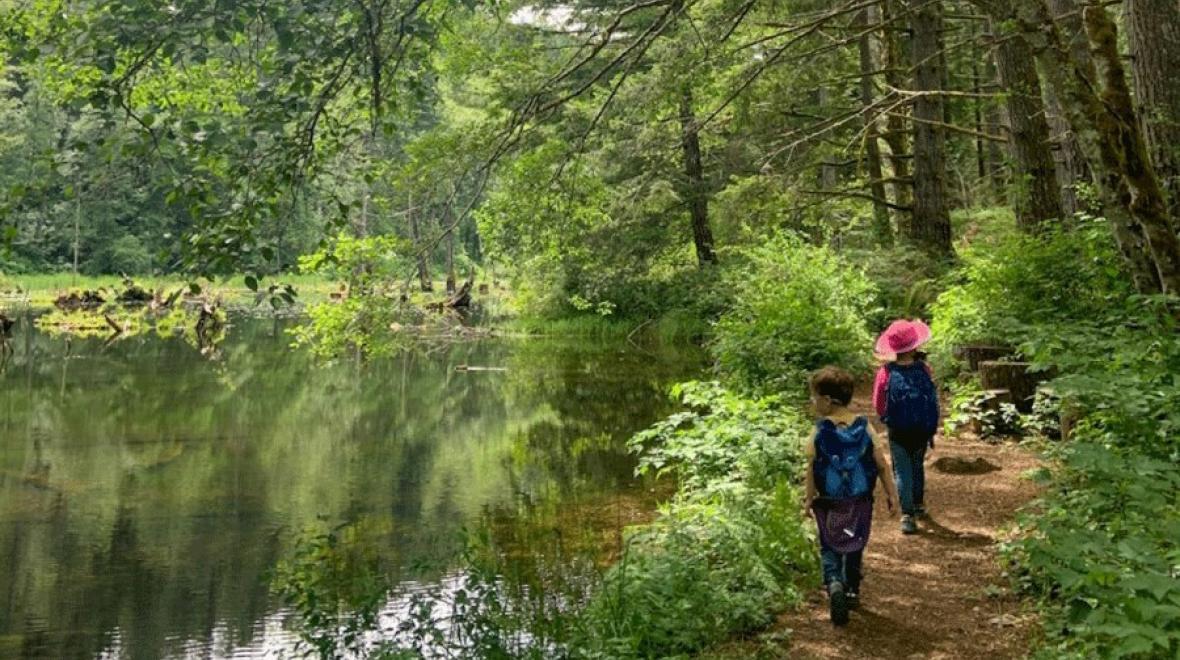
[(908, 526), (837, 604), (921, 513), (853, 599)]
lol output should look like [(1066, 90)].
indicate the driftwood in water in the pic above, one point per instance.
[(975, 354), (462, 297), (74, 300), (133, 294), (118, 329), (208, 325), (1016, 377)]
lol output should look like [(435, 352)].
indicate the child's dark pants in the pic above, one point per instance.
[(909, 471), (843, 568)]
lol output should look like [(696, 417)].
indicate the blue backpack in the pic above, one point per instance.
[(911, 404), (844, 465)]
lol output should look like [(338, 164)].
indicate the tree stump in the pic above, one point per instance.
[(974, 354), (1015, 377)]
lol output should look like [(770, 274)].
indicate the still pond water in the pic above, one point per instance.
[(146, 493)]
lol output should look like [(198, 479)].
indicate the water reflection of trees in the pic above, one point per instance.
[(147, 491)]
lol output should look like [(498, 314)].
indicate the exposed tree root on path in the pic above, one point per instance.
[(937, 594)]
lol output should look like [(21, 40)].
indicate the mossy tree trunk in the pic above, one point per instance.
[(1098, 103)]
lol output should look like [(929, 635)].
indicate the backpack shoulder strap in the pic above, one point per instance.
[(861, 426), (824, 428)]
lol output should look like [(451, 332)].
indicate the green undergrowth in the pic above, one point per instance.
[(1099, 551), (728, 551), (796, 308)]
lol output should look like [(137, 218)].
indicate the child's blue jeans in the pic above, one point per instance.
[(909, 472), (843, 568)]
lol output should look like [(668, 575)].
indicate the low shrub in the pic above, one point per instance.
[(796, 308), (728, 551)]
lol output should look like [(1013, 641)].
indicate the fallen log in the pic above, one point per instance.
[(114, 324)]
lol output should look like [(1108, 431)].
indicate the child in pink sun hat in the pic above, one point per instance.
[(907, 402)]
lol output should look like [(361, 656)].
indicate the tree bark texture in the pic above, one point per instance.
[(694, 188), (1153, 31), (1072, 170), (1037, 198), (931, 226), (882, 229), (896, 135)]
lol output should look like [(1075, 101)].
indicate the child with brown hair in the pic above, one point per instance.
[(844, 461)]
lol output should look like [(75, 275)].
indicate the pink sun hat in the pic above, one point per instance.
[(901, 337)]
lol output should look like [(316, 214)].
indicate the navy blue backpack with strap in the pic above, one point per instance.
[(844, 465), (911, 404)]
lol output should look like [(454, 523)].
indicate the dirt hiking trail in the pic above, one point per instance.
[(937, 594)]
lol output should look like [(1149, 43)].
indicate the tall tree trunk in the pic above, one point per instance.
[(827, 169), (1153, 31), (77, 228), (1148, 203), (1037, 198), (1077, 170), (447, 220), (882, 229), (694, 188), (931, 226), (1072, 170), (424, 280), (977, 113), (1074, 77), (896, 134), (997, 124)]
